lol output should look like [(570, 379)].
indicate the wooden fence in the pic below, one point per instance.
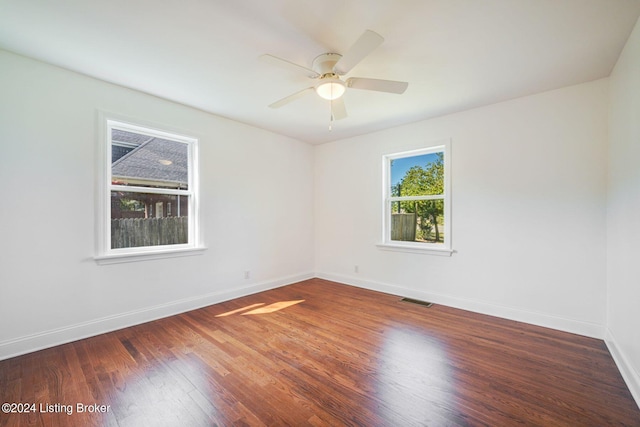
[(136, 232), (403, 227)]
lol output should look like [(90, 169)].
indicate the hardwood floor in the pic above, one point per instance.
[(327, 354)]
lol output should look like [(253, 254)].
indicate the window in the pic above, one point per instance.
[(149, 192), (417, 212)]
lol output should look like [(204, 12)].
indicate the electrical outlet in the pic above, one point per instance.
[(247, 274), (356, 269)]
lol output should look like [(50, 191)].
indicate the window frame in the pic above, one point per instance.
[(104, 253), (386, 243)]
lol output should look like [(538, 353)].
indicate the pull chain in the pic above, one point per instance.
[(330, 115), (331, 109)]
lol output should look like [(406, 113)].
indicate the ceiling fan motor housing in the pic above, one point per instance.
[(323, 64)]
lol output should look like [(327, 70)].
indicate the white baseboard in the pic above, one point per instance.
[(629, 374), (535, 318), (30, 343)]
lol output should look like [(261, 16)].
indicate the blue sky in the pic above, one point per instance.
[(401, 166)]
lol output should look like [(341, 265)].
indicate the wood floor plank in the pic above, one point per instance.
[(319, 353)]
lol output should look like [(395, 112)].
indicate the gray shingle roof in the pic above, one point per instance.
[(157, 161)]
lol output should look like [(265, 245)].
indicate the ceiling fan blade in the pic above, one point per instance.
[(290, 98), (389, 86), (367, 42), (338, 110), (274, 60)]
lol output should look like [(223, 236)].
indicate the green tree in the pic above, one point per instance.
[(423, 181), (127, 204)]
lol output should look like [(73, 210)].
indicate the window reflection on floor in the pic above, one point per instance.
[(414, 376)]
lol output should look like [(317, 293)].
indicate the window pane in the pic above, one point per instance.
[(147, 161), (145, 219), (418, 221), (421, 175)]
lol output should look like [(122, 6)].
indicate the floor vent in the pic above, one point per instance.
[(417, 301)]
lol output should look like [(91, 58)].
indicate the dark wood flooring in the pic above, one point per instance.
[(320, 353)]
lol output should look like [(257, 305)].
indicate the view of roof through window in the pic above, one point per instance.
[(147, 161)]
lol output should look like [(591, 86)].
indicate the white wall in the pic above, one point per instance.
[(528, 181), (623, 214), (256, 207)]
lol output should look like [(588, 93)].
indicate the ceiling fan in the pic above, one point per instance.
[(327, 69)]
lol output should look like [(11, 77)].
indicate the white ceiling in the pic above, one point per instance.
[(455, 54)]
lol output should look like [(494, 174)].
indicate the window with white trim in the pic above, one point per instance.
[(149, 194), (417, 212)]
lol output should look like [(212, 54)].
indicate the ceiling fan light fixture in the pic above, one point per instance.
[(330, 88)]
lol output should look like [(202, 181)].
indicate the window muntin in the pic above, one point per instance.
[(417, 205), (150, 188)]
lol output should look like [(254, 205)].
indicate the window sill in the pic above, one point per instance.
[(398, 247), (118, 258)]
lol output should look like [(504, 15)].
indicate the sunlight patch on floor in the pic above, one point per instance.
[(273, 307), (249, 307), (276, 306)]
